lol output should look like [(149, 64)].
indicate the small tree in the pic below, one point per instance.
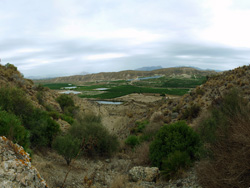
[(171, 138), (67, 146), (66, 102)]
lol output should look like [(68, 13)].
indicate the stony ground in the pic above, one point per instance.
[(99, 173)]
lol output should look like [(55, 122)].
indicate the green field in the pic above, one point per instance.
[(58, 85), (163, 85)]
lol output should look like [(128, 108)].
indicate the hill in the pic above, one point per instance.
[(149, 68), (129, 74), (213, 90)]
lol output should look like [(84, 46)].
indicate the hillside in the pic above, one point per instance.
[(141, 117), (203, 96), (129, 74)]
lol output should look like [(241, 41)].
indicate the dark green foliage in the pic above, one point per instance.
[(89, 129), (174, 137), (40, 87), (41, 127), (191, 112), (67, 104), (40, 97), (14, 100), (139, 126), (199, 91), (67, 146), (175, 161), (132, 141), (57, 115), (11, 127), (69, 119), (207, 128)]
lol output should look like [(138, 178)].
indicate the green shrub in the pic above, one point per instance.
[(174, 162), (40, 125), (67, 104), (67, 146), (69, 119), (132, 141), (174, 137), (40, 98), (11, 127), (43, 129), (139, 126), (54, 114), (14, 100), (101, 142)]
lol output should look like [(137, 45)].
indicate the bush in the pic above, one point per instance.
[(141, 154), (139, 126), (67, 146), (11, 127), (67, 104), (174, 162), (14, 100), (100, 141), (174, 137), (132, 141), (225, 133)]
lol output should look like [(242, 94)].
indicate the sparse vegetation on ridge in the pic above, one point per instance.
[(225, 132)]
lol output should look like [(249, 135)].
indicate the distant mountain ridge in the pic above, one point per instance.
[(129, 74), (149, 68)]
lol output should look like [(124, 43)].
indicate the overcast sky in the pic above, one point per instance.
[(65, 37)]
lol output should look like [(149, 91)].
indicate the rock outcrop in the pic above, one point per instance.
[(16, 169), (148, 174)]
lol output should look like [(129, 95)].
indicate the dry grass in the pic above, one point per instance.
[(157, 117), (141, 154), (122, 181), (119, 181), (229, 166)]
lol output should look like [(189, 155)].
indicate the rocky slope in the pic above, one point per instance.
[(16, 169), (129, 74), (210, 92)]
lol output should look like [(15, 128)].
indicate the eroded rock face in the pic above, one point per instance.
[(148, 174), (15, 167)]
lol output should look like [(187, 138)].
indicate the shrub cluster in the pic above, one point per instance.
[(89, 135), (67, 146), (11, 127), (37, 122), (174, 147), (67, 104)]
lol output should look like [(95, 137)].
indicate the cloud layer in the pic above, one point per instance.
[(61, 37)]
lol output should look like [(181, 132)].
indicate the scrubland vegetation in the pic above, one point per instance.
[(218, 144), (225, 133)]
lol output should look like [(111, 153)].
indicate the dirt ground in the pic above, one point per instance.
[(84, 172), (99, 172)]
